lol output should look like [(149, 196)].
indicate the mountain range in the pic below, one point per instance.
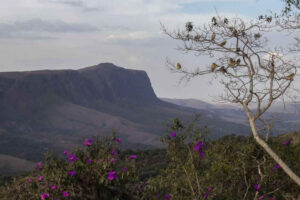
[(57, 109)]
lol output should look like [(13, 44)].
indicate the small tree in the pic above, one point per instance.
[(251, 72)]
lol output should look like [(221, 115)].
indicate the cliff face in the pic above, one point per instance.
[(114, 83), (92, 87)]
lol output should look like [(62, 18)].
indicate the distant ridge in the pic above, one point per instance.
[(58, 109)]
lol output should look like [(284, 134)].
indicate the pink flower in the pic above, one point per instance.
[(39, 166), (72, 173), (65, 152), (198, 146), (72, 158), (286, 143), (173, 135), (112, 175), (65, 194), (132, 157), (53, 187), (41, 178), (88, 142), (30, 180), (114, 153), (113, 160), (118, 140), (44, 196)]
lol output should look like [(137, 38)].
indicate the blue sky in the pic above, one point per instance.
[(59, 34)]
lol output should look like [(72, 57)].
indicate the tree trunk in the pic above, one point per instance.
[(266, 147)]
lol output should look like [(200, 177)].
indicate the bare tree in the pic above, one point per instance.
[(251, 72)]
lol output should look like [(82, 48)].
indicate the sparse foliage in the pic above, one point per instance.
[(250, 69)]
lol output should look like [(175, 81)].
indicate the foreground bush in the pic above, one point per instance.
[(190, 168), (233, 167), (93, 173)]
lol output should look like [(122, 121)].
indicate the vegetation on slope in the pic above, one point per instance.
[(191, 167)]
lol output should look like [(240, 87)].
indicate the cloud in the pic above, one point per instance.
[(136, 35), (37, 28), (75, 3)]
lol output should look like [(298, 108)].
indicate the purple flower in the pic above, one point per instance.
[(65, 194), (53, 187), (114, 153), (286, 143), (202, 154), (40, 178), (113, 160), (132, 157), (87, 144), (72, 158), (198, 146), (30, 180), (125, 169), (168, 196), (256, 187), (206, 195), (39, 165), (143, 184), (173, 134), (44, 196), (72, 173), (158, 196), (112, 175), (65, 152), (118, 140), (277, 166), (89, 161)]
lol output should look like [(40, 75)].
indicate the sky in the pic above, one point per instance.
[(72, 34)]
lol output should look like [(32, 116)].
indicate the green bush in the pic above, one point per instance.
[(93, 173), (191, 167)]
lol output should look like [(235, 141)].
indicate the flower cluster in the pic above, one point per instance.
[(88, 142), (76, 160), (200, 147), (112, 175)]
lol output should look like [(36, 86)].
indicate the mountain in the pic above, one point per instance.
[(285, 116), (192, 103), (57, 109)]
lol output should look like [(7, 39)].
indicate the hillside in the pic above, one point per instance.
[(56, 109), (284, 116), (10, 165)]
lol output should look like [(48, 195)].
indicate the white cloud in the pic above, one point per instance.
[(136, 35)]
